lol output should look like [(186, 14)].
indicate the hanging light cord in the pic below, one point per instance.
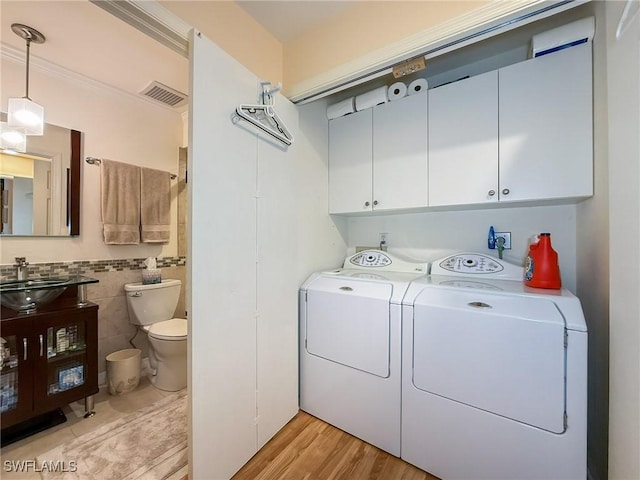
[(26, 95), (29, 35)]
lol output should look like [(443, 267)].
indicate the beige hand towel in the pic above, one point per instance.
[(155, 194), (120, 185)]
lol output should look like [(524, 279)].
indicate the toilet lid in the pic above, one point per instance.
[(174, 329)]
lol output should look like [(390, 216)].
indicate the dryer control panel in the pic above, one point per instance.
[(476, 264)]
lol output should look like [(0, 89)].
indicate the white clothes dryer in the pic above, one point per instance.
[(350, 361), (494, 375)]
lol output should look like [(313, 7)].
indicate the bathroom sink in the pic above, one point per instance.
[(27, 295)]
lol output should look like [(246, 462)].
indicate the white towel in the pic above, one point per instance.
[(120, 202), (155, 208)]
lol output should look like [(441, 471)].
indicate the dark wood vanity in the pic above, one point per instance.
[(49, 359)]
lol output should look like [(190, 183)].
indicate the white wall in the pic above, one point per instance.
[(429, 236), (322, 240), (623, 68), (115, 126), (258, 226), (593, 262)]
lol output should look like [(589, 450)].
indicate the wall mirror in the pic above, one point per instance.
[(41, 187)]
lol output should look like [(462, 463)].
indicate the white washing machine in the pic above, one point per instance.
[(494, 375), (350, 361)]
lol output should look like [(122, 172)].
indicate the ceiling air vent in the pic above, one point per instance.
[(165, 95)]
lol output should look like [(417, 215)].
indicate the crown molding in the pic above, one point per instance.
[(151, 18)]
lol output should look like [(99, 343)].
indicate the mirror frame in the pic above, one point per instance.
[(73, 184)]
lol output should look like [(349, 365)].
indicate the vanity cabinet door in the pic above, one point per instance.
[(66, 357), (463, 141), (350, 172), (16, 380)]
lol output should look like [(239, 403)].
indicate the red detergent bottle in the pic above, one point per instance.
[(541, 268)]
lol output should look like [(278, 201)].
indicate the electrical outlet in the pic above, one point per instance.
[(383, 241), (507, 239)]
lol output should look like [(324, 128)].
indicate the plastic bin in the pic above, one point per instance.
[(123, 370)]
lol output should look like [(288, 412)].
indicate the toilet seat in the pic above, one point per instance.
[(173, 330)]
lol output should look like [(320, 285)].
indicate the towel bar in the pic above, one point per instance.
[(96, 161)]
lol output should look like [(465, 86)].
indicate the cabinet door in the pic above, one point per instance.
[(16, 381), (400, 153), (546, 136), (350, 144), (463, 141), (66, 358)]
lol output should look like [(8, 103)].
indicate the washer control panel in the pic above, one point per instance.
[(471, 263), (379, 260), (476, 264), (370, 258)]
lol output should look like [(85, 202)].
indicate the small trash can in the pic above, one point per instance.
[(123, 370)]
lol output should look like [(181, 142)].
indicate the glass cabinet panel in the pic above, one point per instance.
[(66, 357), (8, 373)]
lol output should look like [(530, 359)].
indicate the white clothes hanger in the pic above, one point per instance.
[(264, 116)]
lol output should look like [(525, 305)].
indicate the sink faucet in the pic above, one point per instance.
[(21, 268)]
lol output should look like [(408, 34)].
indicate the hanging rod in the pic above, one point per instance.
[(97, 161)]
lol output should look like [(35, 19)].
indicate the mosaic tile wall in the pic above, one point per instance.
[(114, 329), (87, 267)]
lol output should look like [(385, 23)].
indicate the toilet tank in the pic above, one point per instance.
[(152, 303)]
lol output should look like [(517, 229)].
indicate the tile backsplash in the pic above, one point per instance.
[(114, 329), (88, 267)]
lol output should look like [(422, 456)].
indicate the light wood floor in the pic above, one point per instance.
[(310, 449)]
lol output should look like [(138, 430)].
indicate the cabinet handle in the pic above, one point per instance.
[(505, 191), (492, 193), (366, 204), (41, 345), (24, 349), (375, 202)]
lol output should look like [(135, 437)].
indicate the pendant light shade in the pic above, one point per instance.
[(23, 112), (12, 139), (27, 114)]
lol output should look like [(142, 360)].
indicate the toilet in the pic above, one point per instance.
[(151, 307)]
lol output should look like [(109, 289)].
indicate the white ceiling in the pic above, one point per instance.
[(285, 20), (84, 39)]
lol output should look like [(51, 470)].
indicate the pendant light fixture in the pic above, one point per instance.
[(23, 112), (12, 139)]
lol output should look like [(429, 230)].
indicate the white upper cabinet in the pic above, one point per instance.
[(463, 141), (378, 158), (350, 173), (400, 154), (520, 133), (546, 127)]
